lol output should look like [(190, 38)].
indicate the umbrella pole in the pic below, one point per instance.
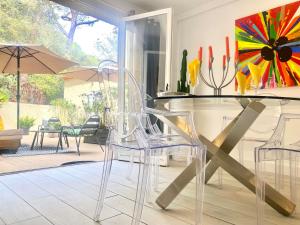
[(18, 88)]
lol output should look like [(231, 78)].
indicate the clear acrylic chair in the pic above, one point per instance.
[(257, 135), (283, 146), (128, 132), (107, 70)]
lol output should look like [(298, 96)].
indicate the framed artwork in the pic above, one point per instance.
[(270, 40)]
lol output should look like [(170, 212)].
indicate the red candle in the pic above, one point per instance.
[(200, 54), (227, 47), (210, 51), (224, 61), (236, 57)]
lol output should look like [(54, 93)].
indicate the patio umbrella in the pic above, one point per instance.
[(26, 58), (90, 74)]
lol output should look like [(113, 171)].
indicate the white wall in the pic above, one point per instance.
[(208, 24)]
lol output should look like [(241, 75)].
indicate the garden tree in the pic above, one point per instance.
[(52, 86), (35, 22), (74, 19), (107, 46)]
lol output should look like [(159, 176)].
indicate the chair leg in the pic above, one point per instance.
[(42, 139), (108, 156), (141, 188), (98, 140), (200, 157), (37, 138), (293, 176), (59, 143), (34, 139), (66, 140), (131, 163), (260, 187), (77, 139)]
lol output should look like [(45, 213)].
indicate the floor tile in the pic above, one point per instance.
[(118, 220), (12, 208), (76, 183), (34, 221), (24, 188), (17, 212), (59, 213), (150, 216), (67, 196)]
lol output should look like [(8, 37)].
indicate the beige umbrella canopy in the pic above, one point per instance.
[(82, 73), (33, 59), (106, 76), (27, 58), (90, 74)]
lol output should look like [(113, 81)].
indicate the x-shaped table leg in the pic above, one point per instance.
[(218, 155)]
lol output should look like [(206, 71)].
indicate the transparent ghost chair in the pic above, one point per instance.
[(107, 70), (258, 135), (283, 146), (128, 132), (107, 81)]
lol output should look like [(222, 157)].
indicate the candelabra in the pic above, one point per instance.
[(210, 81)]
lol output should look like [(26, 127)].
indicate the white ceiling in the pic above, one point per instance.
[(179, 6)]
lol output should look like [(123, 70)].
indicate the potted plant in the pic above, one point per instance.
[(103, 130), (26, 123)]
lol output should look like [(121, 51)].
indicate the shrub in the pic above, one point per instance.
[(26, 122), (4, 95), (64, 110)]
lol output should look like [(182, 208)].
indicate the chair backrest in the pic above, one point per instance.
[(265, 124), (53, 123), (287, 130), (134, 101), (90, 126), (112, 77)]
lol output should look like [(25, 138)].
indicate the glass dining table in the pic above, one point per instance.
[(246, 111)]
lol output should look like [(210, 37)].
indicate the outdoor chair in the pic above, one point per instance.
[(51, 126), (89, 128)]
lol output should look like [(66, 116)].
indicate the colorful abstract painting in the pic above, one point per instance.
[(271, 40)]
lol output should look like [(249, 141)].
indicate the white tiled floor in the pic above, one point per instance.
[(67, 196)]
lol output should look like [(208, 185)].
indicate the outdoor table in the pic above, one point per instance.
[(218, 150), (42, 133)]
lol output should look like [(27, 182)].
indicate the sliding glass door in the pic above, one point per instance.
[(145, 50)]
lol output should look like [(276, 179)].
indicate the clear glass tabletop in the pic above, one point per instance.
[(227, 100)]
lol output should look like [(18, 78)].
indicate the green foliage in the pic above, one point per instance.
[(7, 84), (8, 81), (36, 22), (4, 95), (65, 110), (107, 46), (51, 85), (26, 122)]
